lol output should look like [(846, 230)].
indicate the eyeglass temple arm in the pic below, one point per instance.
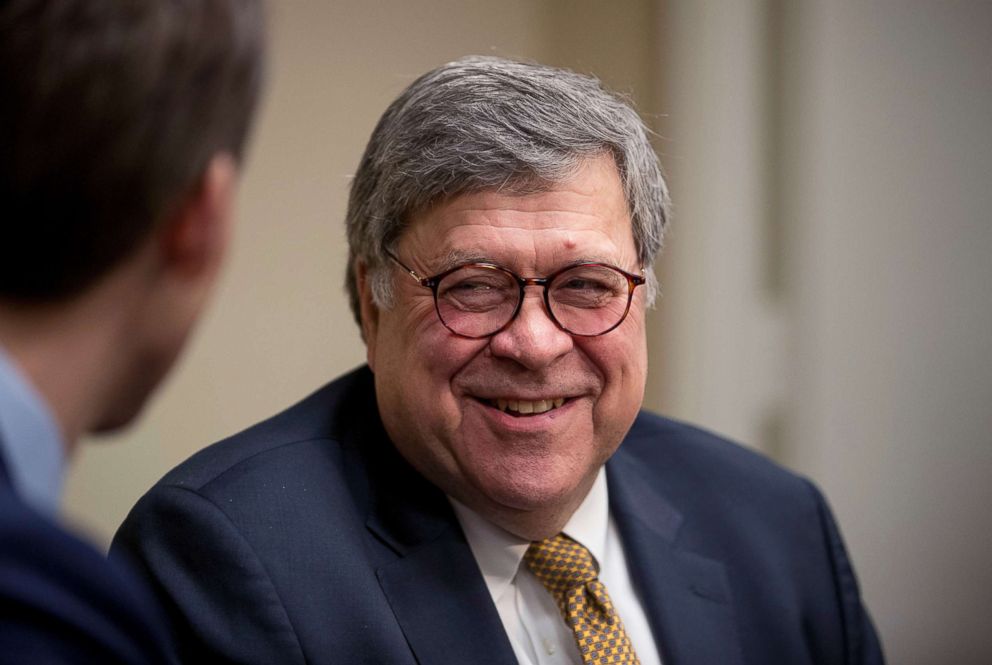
[(417, 278), (423, 281)]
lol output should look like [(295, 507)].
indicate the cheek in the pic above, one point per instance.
[(405, 334), (619, 355), (418, 358), (434, 354), (622, 362)]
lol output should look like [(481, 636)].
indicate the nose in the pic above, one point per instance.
[(532, 339)]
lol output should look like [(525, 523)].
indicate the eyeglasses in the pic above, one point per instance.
[(477, 300)]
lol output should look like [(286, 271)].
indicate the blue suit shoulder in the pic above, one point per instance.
[(689, 455), (324, 416), (734, 500), (250, 503), (61, 601), (771, 527)]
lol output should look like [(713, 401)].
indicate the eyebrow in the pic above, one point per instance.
[(457, 257)]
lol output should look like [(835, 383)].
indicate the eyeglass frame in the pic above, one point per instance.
[(432, 283)]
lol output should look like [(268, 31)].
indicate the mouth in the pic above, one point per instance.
[(522, 408)]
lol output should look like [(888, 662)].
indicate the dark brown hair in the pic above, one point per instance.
[(110, 110)]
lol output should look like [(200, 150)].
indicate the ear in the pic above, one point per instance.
[(369, 312), (195, 238)]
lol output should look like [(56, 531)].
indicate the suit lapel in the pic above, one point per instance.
[(686, 596), (433, 584), (443, 606)]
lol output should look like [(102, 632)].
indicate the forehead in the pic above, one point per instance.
[(583, 218)]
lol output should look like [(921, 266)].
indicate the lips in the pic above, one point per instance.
[(520, 407)]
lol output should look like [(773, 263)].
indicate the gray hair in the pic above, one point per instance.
[(486, 123)]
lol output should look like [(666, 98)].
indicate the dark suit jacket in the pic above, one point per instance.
[(308, 539), (62, 602)]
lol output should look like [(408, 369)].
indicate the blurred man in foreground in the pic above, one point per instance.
[(487, 489), (121, 132)]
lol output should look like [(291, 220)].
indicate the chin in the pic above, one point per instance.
[(123, 414), (530, 489), (133, 394), (113, 424)]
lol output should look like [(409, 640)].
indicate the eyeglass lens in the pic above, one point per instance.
[(478, 300)]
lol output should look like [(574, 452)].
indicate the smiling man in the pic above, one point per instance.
[(513, 413), (487, 489)]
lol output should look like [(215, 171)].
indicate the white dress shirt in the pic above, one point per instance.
[(536, 629), (30, 440)]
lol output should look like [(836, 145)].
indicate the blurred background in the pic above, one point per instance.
[(826, 283)]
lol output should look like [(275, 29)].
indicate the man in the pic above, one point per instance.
[(121, 129), (487, 489)]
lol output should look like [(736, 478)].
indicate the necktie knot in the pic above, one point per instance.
[(569, 572), (560, 563)]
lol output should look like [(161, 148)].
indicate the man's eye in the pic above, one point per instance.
[(583, 293), (587, 289), (471, 287), (477, 294), (581, 284), (592, 287)]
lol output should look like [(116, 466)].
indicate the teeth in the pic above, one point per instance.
[(527, 407)]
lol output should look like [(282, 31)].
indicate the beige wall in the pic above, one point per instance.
[(893, 271), (828, 279)]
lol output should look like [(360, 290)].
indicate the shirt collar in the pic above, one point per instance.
[(30, 440), (499, 552), (590, 522)]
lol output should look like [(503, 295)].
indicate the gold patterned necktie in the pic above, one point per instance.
[(568, 571)]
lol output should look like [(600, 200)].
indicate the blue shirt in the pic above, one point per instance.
[(31, 443)]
